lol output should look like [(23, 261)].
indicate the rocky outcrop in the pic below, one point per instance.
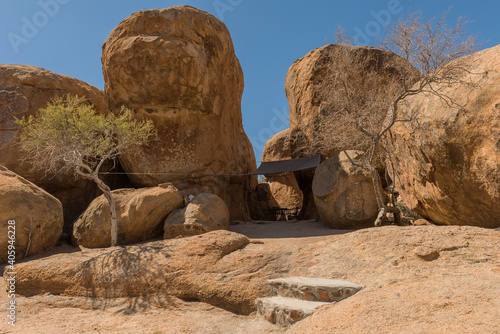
[(448, 164), (28, 215), (23, 91), (344, 194), (284, 188), (177, 67), (205, 213), (317, 107), (189, 268), (414, 277), (422, 272), (140, 214)]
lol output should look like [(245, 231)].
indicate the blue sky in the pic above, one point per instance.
[(269, 35)]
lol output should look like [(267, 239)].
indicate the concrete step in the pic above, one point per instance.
[(313, 289), (285, 311)]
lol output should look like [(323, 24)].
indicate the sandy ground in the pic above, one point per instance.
[(57, 314), (283, 229)]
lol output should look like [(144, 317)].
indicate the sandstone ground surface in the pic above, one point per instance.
[(437, 279)]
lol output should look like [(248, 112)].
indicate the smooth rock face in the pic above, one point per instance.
[(177, 66), (284, 187), (344, 193), (38, 216), (140, 214), (23, 91), (449, 165), (205, 213)]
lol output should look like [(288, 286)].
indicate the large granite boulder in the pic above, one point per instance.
[(33, 217), (177, 67), (140, 214), (24, 90), (314, 88), (317, 108), (284, 187), (344, 194), (448, 164), (205, 213)]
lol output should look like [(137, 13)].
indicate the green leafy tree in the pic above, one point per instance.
[(70, 136)]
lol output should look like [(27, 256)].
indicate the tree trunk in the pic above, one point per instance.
[(376, 187), (112, 208), (383, 209), (114, 220)]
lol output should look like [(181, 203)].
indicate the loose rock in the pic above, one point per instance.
[(205, 213), (140, 214)]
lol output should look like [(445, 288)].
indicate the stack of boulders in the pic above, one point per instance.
[(309, 85), (446, 162), (177, 67), (279, 190)]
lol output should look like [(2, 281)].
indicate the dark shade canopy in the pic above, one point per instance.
[(285, 166)]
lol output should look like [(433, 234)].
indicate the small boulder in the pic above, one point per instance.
[(207, 212), (140, 214), (344, 194), (35, 216)]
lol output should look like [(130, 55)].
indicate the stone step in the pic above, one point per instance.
[(313, 289), (285, 311)]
